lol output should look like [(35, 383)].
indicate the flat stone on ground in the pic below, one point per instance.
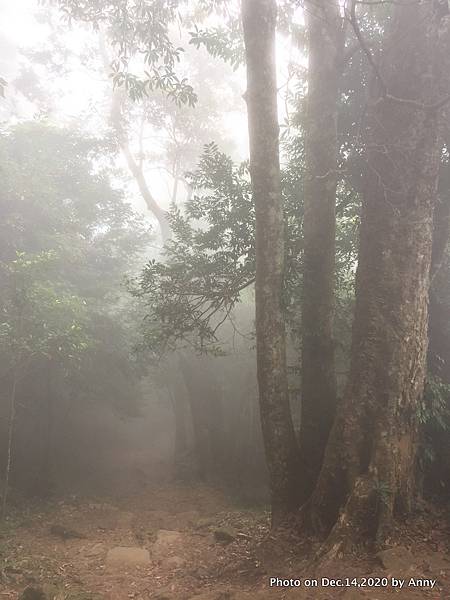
[(397, 560)]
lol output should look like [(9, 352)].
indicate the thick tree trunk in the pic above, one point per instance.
[(259, 22), (434, 475), (326, 46), (439, 314), (369, 465)]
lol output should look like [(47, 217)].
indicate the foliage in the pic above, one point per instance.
[(226, 41), (205, 267), (434, 410), (38, 320), (179, 132), (139, 33), (210, 260), (221, 42), (67, 240), (56, 195)]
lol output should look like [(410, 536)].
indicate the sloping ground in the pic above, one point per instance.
[(185, 543)]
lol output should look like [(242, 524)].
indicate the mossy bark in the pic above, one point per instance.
[(259, 23), (318, 389), (368, 475)]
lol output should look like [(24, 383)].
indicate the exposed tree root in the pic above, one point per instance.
[(356, 524)]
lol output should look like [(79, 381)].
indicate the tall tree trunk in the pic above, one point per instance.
[(9, 450), (259, 23), (433, 474), (326, 46), (369, 464), (49, 416), (439, 342)]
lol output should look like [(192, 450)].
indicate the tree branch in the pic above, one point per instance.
[(375, 67)]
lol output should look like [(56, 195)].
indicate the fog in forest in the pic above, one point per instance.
[(224, 299)]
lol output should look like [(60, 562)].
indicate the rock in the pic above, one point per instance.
[(174, 562), (130, 556), (397, 560), (225, 535), (166, 541), (33, 593)]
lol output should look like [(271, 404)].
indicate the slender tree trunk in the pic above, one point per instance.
[(47, 472), (9, 452), (259, 22), (369, 467), (326, 46)]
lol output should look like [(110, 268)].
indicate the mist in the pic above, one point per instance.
[(224, 300)]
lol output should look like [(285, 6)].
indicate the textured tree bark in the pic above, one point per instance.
[(259, 22), (9, 454), (439, 342), (434, 475), (369, 467), (326, 47)]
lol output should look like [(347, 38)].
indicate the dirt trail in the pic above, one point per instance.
[(190, 543)]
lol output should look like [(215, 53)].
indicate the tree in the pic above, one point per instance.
[(259, 24), (370, 461), (138, 30), (68, 238), (39, 323), (326, 36)]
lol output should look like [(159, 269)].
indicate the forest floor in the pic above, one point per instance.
[(200, 547)]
